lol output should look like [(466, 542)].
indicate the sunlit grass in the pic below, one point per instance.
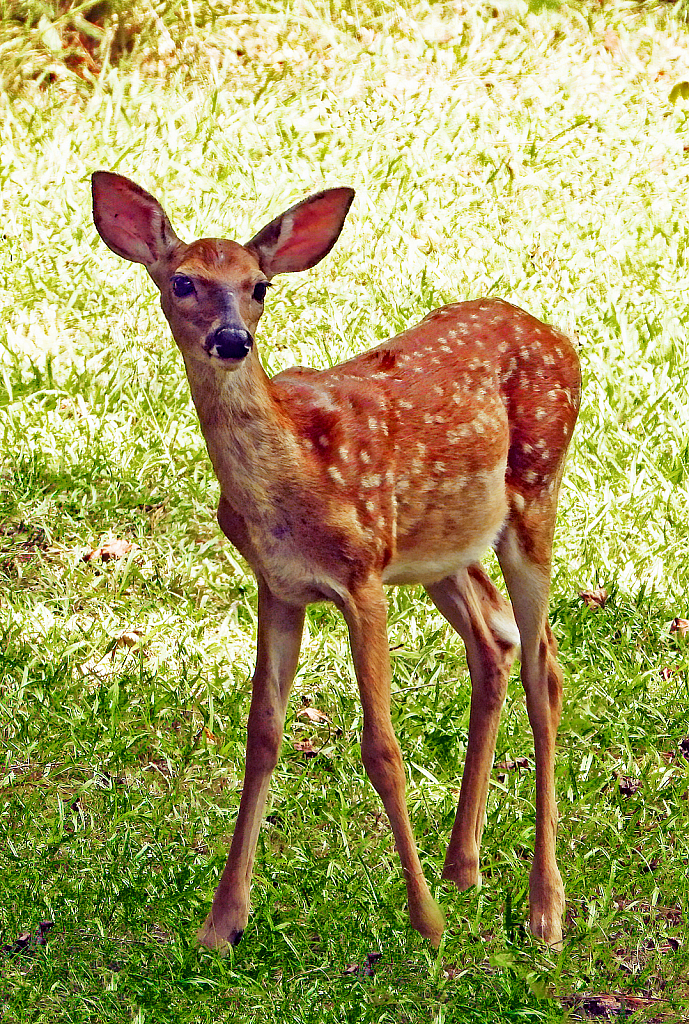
[(505, 153)]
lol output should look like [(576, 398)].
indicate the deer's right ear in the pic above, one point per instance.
[(129, 220)]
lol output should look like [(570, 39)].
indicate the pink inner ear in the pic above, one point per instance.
[(129, 220), (315, 228)]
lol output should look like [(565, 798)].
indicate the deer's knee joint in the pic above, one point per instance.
[(263, 744), (382, 760)]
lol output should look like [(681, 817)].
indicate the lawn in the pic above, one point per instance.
[(540, 154)]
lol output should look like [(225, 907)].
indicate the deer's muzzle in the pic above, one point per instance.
[(229, 343)]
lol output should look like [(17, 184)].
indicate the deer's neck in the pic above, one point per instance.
[(250, 441)]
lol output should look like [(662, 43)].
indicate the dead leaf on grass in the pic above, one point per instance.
[(594, 599), (367, 969), (519, 764), (110, 549), (25, 943), (680, 626), (606, 1006), (313, 715), (628, 785), (130, 638), (306, 747)]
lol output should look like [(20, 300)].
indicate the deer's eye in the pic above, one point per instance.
[(182, 286), (260, 290)]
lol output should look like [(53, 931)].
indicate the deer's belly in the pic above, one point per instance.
[(445, 532), (427, 565)]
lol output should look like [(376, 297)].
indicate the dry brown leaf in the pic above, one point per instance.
[(518, 764), (628, 785), (680, 626), (109, 550), (130, 638), (605, 1006), (210, 735), (313, 715), (306, 747), (594, 598)]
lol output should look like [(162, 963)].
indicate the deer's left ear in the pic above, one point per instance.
[(301, 236)]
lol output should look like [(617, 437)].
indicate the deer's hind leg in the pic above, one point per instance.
[(483, 618), (524, 553)]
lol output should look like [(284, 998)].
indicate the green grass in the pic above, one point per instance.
[(493, 151)]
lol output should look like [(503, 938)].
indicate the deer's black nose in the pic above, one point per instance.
[(230, 343)]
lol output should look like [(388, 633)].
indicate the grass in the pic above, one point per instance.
[(532, 155)]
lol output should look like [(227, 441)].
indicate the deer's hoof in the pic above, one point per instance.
[(214, 936)]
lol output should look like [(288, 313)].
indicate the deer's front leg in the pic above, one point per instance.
[(366, 618), (279, 636)]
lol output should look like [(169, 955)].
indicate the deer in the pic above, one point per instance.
[(403, 465)]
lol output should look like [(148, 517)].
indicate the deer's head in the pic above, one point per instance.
[(212, 290)]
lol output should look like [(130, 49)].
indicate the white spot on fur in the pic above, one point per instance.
[(334, 472), (365, 457), (372, 423), (540, 414), (371, 480)]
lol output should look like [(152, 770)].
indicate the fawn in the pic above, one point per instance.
[(401, 465)]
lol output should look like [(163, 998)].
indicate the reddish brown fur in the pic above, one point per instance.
[(400, 465)]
